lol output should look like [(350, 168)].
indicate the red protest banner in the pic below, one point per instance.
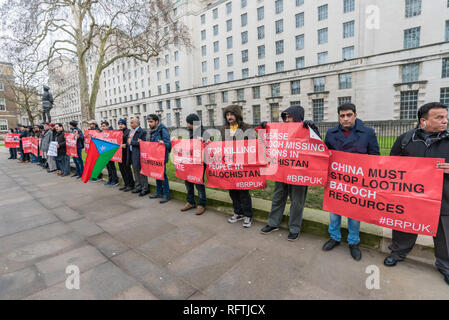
[(296, 155), (400, 193), (114, 136), (152, 159), (87, 135), (235, 165), (188, 159), (40, 147), (12, 140), (34, 146), (26, 144), (70, 143)]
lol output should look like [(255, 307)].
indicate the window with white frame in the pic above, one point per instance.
[(409, 105), (412, 8), (3, 125), (410, 72), (2, 104)]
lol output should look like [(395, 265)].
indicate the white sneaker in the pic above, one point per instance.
[(235, 218), (246, 222)]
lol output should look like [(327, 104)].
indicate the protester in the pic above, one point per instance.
[(52, 165), (282, 190), (234, 129), (352, 136), (195, 132), (79, 138), (45, 144), (25, 133), (93, 125), (63, 160), (36, 133), (136, 135), (12, 151), (125, 165), (429, 140), (159, 133), (112, 170)]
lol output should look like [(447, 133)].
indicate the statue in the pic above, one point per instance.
[(47, 104)]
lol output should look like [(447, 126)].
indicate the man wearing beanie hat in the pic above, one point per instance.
[(79, 137), (282, 190), (195, 132), (125, 165)]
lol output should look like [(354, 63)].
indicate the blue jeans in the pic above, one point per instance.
[(79, 164), (353, 228), (191, 193), (13, 153), (34, 159), (63, 163), (162, 187)]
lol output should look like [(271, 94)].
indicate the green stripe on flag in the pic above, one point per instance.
[(101, 162)]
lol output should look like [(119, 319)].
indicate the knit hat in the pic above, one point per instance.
[(192, 117), (93, 122), (73, 123), (122, 121)]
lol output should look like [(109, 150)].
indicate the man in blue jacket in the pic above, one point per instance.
[(136, 135), (159, 133), (79, 137), (352, 136)]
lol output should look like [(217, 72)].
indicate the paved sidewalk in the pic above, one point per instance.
[(128, 247)]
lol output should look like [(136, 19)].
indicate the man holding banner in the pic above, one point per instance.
[(63, 160), (136, 135), (125, 165), (351, 136), (10, 140), (429, 140), (79, 138), (112, 170), (282, 191), (159, 133)]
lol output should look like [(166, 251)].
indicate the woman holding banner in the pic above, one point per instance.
[(12, 151)]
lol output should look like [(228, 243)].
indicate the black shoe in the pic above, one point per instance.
[(123, 188), (164, 199), (446, 278), (155, 195), (391, 261), (9, 158), (267, 229), (292, 236), (137, 191), (355, 252), (330, 244), (128, 189), (143, 193), (75, 175)]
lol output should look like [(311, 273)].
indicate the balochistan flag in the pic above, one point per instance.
[(99, 154)]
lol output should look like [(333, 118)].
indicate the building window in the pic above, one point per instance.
[(322, 36), (229, 25), (280, 47), (216, 63), (261, 70), (244, 37), (410, 72), (322, 57), (276, 90), (447, 30), (319, 84), (300, 62), (169, 120), (322, 12), (279, 26), (348, 29), (212, 98), (279, 5), (299, 20), (230, 76), (229, 42), (261, 52), (230, 60), (345, 81), (256, 92), (318, 110), (348, 53), (224, 96), (279, 66), (445, 73), (210, 114), (1, 86), (216, 46), (215, 13), (203, 51), (348, 6), (295, 87), (411, 38), (216, 78), (261, 32), (2, 104), (299, 2), (260, 13), (228, 7), (343, 100), (199, 100), (243, 3), (215, 28), (245, 56), (203, 37), (204, 66), (444, 96), (245, 73), (204, 81), (409, 105), (412, 8), (299, 42), (244, 18), (274, 112), (203, 19), (256, 114), (240, 94), (3, 125)]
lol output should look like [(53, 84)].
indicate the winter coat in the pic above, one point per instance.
[(161, 133), (60, 139), (362, 139), (48, 135), (225, 134), (80, 140), (134, 150)]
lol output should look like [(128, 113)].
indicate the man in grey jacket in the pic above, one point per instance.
[(46, 139)]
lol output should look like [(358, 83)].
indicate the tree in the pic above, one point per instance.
[(98, 32)]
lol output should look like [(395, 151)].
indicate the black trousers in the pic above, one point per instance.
[(403, 243), (241, 200), (127, 174), (112, 171)]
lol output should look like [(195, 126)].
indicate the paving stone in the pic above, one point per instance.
[(135, 293), (20, 284), (19, 223), (109, 246), (66, 214), (103, 208), (136, 236), (85, 228)]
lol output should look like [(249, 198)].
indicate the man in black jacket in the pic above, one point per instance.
[(79, 138), (136, 135), (125, 166), (62, 159), (282, 190), (429, 140), (112, 170), (25, 133)]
